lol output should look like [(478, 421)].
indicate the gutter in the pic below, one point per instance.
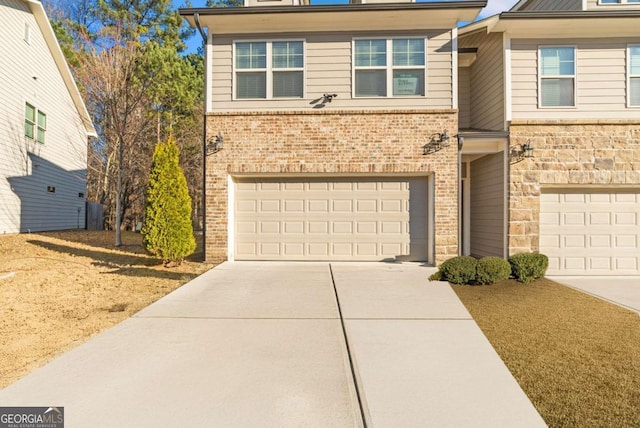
[(196, 18), (571, 14)]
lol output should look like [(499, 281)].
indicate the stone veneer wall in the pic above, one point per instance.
[(332, 142), (604, 153)]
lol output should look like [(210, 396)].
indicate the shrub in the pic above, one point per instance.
[(167, 232), (527, 267), (491, 270), (459, 270), (436, 276)]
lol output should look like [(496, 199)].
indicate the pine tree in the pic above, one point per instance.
[(167, 232)]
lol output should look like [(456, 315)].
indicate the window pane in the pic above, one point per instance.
[(371, 53), (40, 135), (287, 84), (371, 83), (634, 91), (634, 60), (251, 85), (408, 82), (28, 129), (288, 55), (408, 52), (557, 61), (29, 120), (251, 55), (42, 120), (557, 93), (610, 1)]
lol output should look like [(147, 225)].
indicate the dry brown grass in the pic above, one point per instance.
[(61, 288), (576, 356)]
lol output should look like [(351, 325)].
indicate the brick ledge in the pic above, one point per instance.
[(553, 122), (330, 112)]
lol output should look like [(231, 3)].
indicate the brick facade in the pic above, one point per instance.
[(571, 153), (352, 143)]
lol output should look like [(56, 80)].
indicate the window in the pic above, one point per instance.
[(269, 69), (633, 60), (27, 33), (557, 77), (394, 67), (618, 1), (35, 123)]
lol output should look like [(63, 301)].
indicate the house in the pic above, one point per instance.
[(563, 79), (381, 131), (44, 126)]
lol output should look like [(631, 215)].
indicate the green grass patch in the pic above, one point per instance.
[(576, 357)]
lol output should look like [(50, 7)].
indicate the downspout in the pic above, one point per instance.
[(196, 18), (460, 213)]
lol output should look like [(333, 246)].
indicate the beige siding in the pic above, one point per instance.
[(464, 97), (600, 80), (487, 206), (594, 5), (328, 70), (487, 81), (553, 5), (29, 74)]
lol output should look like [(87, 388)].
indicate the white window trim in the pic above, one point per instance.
[(389, 67), (574, 76), (629, 75), (618, 3), (269, 70)]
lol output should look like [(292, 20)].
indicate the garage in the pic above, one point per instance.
[(591, 232), (331, 218)]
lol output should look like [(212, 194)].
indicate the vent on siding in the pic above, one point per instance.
[(27, 33), (51, 189)]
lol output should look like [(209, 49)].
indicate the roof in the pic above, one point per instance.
[(40, 15), (348, 17)]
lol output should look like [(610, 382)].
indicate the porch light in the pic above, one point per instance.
[(437, 142), (522, 151), (214, 144)]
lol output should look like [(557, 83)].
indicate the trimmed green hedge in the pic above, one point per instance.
[(491, 270), (459, 270), (527, 267)]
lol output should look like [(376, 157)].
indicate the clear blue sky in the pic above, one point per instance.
[(493, 7)]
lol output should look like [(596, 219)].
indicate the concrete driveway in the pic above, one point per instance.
[(253, 344), (621, 290)]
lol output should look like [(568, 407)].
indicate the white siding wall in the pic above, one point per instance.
[(464, 97), (328, 70), (28, 74), (601, 80), (593, 5), (553, 5), (487, 206), (487, 81)]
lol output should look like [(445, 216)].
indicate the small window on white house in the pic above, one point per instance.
[(618, 1), (557, 77), (633, 59), (269, 69), (42, 127), (29, 121), (384, 68), (27, 33)]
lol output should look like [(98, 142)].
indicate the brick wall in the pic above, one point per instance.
[(332, 142), (598, 153)]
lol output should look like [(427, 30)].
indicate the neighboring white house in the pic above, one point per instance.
[(44, 126)]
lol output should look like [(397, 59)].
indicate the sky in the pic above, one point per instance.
[(493, 7)]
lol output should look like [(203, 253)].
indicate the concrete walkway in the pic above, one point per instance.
[(620, 290), (253, 344)]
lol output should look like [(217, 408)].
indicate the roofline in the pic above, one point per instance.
[(42, 20), (488, 23), (344, 8), (519, 5), (571, 14)]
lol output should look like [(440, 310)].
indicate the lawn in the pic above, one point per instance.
[(575, 356), (57, 289)]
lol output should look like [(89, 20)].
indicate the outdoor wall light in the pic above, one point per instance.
[(437, 142), (327, 98), (214, 144), (521, 152)]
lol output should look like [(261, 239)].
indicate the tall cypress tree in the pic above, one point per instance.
[(167, 232)]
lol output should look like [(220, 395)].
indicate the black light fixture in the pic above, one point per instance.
[(327, 98), (437, 142), (521, 152), (214, 144)]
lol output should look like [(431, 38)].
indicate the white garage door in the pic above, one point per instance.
[(591, 232), (330, 219)]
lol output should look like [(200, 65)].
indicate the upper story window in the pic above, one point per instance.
[(384, 68), (269, 69), (35, 123), (557, 74), (633, 61), (618, 1)]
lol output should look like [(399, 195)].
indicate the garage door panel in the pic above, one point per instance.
[(605, 243), (331, 219)]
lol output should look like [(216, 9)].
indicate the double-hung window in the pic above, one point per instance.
[(633, 73), (618, 1), (557, 73), (269, 69), (384, 68), (35, 123)]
